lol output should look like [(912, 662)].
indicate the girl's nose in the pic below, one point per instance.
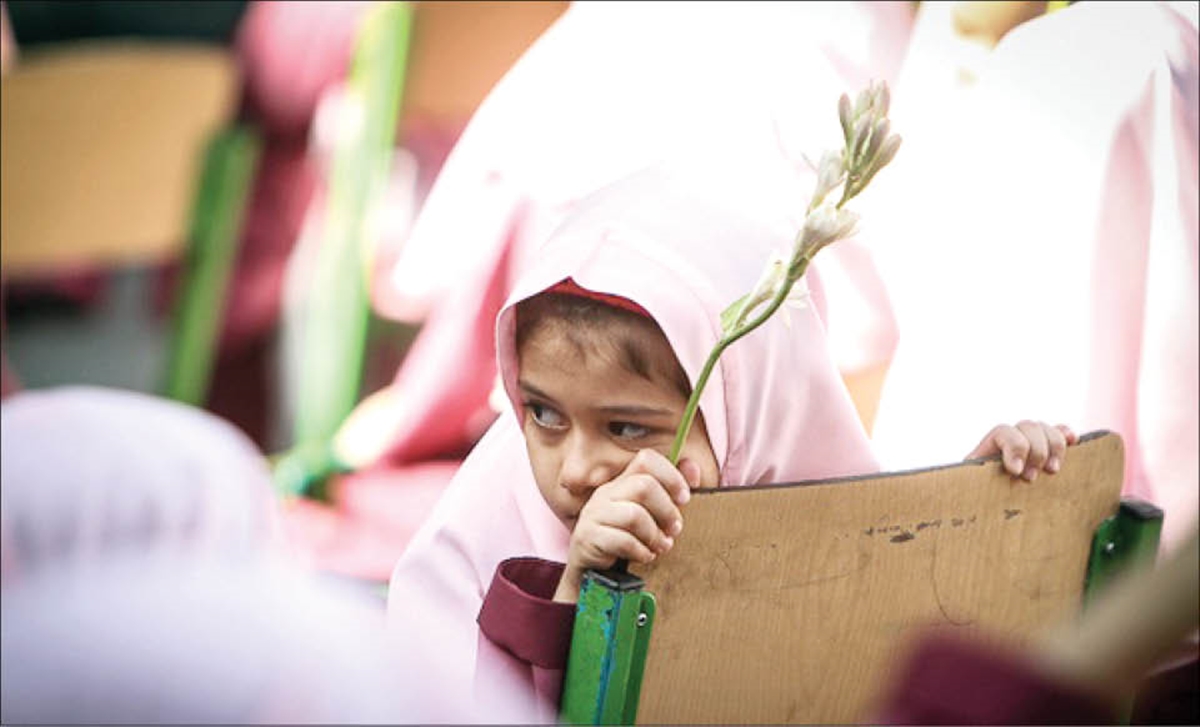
[(586, 465)]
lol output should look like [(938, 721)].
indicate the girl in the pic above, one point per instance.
[(598, 347)]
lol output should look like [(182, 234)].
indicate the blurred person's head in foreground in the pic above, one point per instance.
[(141, 584), (92, 473)]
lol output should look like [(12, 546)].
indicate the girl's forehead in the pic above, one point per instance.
[(615, 354)]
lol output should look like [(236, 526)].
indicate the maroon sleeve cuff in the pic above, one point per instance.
[(952, 681), (519, 615)]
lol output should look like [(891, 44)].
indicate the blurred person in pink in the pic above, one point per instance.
[(192, 639), (574, 475), (91, 473), (571, 116), (143, 584), (1072, 141)]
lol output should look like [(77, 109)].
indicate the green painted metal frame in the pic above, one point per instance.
[(610, 642), (613, 621), (337, 310), (1128, 539), (1124, 541), (214, 233)]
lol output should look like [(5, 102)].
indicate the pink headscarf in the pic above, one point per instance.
[(775, 410), (90, 474), (1042, 250)]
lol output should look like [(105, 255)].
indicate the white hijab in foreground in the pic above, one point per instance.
[(142, 584), (775, 411), (89, 473)]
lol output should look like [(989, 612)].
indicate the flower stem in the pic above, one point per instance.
[(693, 403)]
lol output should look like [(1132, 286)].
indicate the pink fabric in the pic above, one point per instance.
[(142, 581), (571, 116), (290, 53), (774, 408), (375, 513), (90, 474), (1066, 216), (178, 639)]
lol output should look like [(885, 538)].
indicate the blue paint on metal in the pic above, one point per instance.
[(610, 644)]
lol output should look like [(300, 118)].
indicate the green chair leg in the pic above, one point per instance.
[(613, 622), (337, 309), (216, 224), (1126, 540)]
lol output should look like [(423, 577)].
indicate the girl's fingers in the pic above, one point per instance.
[(604, 545), (653, 463), (1009, 443), (1027, 448), (1058, 449), (648, 493), (1039, 448), (690, 471)]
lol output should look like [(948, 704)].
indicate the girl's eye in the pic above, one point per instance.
[(627, 430), (544, 416)]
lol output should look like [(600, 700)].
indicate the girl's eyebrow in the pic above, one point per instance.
[(533, 390)]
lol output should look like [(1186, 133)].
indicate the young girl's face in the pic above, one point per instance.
[(587, 413)]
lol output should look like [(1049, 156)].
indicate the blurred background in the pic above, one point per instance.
[(300, 218)]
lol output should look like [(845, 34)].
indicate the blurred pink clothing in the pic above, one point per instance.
[(1041, 248), (692, 80), (90, 474), (143, 583), (775, 410), (174, 638)]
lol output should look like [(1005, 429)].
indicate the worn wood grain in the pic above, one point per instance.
[(791, 603)]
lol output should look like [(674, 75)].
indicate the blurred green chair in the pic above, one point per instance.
[(123, 154)]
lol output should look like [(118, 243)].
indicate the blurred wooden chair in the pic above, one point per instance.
[(122, 154)]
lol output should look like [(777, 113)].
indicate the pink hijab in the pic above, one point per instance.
[(775, 410), (1060, 190)]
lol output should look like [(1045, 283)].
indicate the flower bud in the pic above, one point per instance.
[(829, 175), (862, 103), (878, 133), (884, 101), (887, 151), (862, 129), (844, 115), (824, 225)]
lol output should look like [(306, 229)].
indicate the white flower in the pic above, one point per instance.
[(824, 225), (830, 173), (774, 275)]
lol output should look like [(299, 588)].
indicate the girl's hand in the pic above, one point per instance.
[(1027, 448), (634, 516)]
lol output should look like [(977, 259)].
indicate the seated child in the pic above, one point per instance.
[(598, 347)]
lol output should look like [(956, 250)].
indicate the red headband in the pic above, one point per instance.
[(570, 287)]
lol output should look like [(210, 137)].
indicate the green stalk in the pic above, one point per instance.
[(693, 404)]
